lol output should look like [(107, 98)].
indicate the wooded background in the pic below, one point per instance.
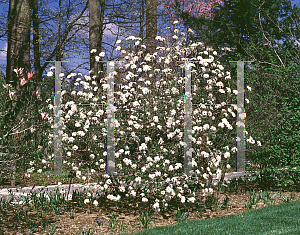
[(263, 31)]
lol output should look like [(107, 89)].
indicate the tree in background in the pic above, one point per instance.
[(174, 8), (18, 67), (254, 28), (151, 22), (177, 9), (36, 45), (96, 30), (18, 51), (21, 109)]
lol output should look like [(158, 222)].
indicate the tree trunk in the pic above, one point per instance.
[(36, 53), (151, 25), (96, 20), (142, 16), (18, 50), (151, 32)]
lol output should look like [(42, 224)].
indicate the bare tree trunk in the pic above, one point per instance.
[(18, 56), (36, 44), (151, 25), (96, 20), (36, 53), (151, 31), (142, 16), (18, 49)]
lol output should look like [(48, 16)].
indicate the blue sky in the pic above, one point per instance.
[(108, 38)]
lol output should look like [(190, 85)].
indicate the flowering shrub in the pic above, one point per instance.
[(20, 132), (148, 129)]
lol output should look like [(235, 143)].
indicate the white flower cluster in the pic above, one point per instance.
[(164, 120)]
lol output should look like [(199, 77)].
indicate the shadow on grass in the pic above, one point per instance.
[(274, 219)]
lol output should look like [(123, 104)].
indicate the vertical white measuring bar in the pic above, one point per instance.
[(110, 120), (188, 121), (240, 164), (110, 157), (240, 157), (57, 121)]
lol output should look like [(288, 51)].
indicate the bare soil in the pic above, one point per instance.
[(85, 216)]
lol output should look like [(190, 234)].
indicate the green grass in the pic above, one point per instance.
[(274, 219)]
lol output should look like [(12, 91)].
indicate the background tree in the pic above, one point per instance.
[(151, 19), (96, 29), (255, 33), (18, 56), (18, 50), (177, 9)]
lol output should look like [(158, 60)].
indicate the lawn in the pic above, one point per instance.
[(274, 219)]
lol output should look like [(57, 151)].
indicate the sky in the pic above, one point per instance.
[(75, 59)]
